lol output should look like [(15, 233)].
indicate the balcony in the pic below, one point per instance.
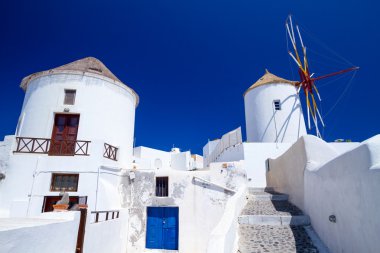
[(110, 152), (51, 147)]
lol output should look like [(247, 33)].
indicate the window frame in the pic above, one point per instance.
[(277, 104), (53, 180), (66, 101), (160, 189)]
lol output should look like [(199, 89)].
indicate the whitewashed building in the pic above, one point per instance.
[(75, 135)]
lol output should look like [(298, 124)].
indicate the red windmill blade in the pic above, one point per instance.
[(307, 81)]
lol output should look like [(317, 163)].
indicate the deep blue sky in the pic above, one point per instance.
[(191, 61)]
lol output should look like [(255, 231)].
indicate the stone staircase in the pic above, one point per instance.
[(269, 223)]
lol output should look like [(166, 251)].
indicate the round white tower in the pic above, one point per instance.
[(273, 111), (81, 100)]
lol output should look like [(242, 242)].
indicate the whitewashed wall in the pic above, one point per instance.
[(5, 152), (181, 161), (107, 112), (255, 160), (158, 159), (264, 123), (49, 232), (345, 185), (107, 236), (200, 205), (106, 108), (224, 237), (28, 180)]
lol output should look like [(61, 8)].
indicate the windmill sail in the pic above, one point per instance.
[(307, 81)]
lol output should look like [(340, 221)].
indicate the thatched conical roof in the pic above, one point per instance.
[(268, 78)]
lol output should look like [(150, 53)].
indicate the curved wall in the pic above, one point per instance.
[(264, 123), (106, 108)]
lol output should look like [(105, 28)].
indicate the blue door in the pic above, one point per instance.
[(162, 228)]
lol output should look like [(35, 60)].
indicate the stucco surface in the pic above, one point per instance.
[(201, 205), (332, 183), (49, 232)]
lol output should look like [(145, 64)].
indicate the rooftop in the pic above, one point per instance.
[(89, 65), (268, 78)]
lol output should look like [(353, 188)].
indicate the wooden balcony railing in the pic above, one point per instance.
[(110, 152), (105, 215), (51, 147)]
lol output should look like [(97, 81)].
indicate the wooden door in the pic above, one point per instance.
[(162, 228), (64, 135)]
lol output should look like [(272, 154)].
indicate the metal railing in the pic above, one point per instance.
[(110, 152), (108, 215), (51, 147)]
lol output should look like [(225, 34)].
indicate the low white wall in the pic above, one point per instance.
[(345, 185), (224, 238), (49, 232), (286, 173), (255, 160), (233, 153), (107, 236)]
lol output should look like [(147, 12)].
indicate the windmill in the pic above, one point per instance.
[(307, 80)]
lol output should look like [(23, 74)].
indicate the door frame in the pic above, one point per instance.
[(164, 228), (53, 142)]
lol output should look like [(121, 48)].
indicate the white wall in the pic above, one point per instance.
[(49, 232), (345, 185), (107, 236), (291, 181), (28, 180), (255, 160), (155, 157), (209, 147), (107, 110), (233, 153), (224, 238), (264, 123), (5, 152), (343, 147), (200, 205), (181, 161)]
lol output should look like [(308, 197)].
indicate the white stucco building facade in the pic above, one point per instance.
[(75, 135)]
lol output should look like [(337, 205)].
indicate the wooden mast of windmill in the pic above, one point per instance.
[(307, 81)]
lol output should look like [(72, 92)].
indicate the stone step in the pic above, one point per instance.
[(274, 220), (274, 239), (253, 190), (267, 196), (272, 207)]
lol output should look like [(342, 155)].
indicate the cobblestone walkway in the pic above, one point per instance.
[(274, 207), (257, 238)]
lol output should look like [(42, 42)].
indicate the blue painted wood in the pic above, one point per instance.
[(154, 233), (170, 226), (162, 228)]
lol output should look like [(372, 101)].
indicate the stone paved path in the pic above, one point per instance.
[(259, 238)]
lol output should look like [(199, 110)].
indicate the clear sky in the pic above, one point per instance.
[(191, 61)]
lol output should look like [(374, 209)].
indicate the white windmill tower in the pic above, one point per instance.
[(273, 110)]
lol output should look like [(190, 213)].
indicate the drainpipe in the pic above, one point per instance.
[(97, 189), (31, 189)]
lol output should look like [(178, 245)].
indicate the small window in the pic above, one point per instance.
[(64, 182), (69, 97), (277, 104), (162, 186)]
